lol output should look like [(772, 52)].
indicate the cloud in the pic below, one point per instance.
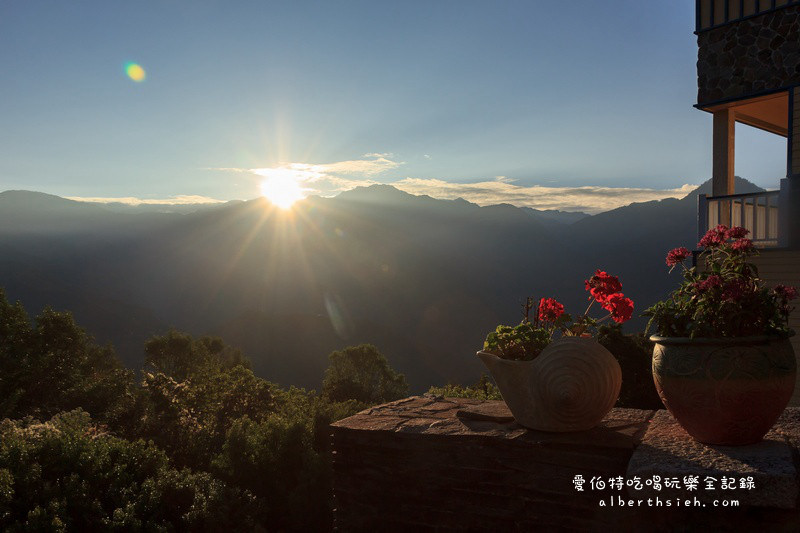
[(371, 165), (591, 199), (133, 201), (329, 179), (366, 167)]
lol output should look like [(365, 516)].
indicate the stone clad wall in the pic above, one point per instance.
[(751, 56)]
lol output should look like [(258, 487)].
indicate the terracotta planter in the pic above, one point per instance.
[(724, 391), (570, 386)]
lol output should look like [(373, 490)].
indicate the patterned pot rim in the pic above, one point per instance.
[(755, 339)]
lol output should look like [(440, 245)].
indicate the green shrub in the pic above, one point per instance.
[(276, 461), (483, 389), (68, 475)]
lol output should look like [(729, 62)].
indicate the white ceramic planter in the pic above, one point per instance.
[(570, 386)]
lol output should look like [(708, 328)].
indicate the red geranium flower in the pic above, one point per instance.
[(550, 310), (621, 307), (677, 255), (602, 285)]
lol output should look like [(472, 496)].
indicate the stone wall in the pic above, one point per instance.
[(449, 464), (754, 55), (436, 464)]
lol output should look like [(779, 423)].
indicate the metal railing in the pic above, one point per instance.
[(715, 13), (758, 212)]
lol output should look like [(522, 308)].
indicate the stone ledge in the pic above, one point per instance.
[(432, 415)]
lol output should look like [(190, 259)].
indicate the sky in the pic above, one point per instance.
[(579, 105)]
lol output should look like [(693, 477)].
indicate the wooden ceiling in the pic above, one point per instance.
[(770, 113)]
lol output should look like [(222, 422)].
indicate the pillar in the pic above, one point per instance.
[(790, 200), (722, 182)]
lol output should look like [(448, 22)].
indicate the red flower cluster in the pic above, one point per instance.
[(709, 283), (714, 237), (720, 234), (785, 292), (602, 285), (742, 245), (550, 310), (724, 297), (621, 308), (737, 232), (677, 255), (606, 288)]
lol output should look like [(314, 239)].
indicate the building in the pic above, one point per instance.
[(748, 71)]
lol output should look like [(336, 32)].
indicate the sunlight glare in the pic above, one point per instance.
[(282, 187)]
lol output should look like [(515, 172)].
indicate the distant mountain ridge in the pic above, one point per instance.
[(556, 216), (423, 279)]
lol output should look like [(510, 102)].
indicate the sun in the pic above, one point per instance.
[(282, 188)]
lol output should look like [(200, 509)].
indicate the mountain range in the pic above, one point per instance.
[(423, 279)]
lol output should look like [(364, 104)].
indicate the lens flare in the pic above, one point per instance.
[(337, 313), (135, 71)]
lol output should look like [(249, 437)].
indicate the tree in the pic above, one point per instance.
[(189, 419), (363, 374), (53, 365), (178, 355)]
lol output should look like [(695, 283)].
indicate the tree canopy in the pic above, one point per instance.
[(52, 365), (363, 374), (178, 355)]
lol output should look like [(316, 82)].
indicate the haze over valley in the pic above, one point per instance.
[(421, 278)]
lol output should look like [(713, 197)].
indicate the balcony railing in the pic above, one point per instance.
[(714, 13), (758, 212)]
